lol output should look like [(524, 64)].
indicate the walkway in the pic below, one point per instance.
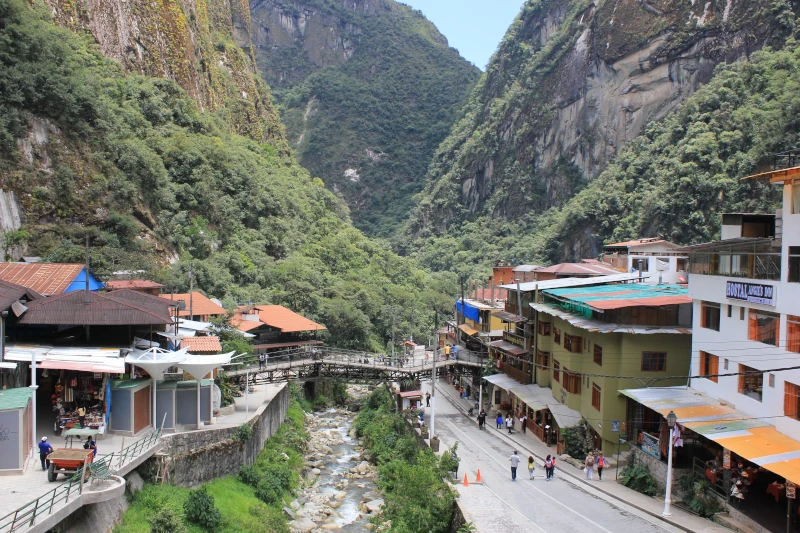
[(568, 503)]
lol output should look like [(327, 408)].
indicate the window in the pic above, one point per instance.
[(598, 354), (573, 344), (751, 385), (791, 400), (793, 334), (572, 381), (741, 313), (709, 315), (654, 361), (771, 380), (544, 329), (763, 327), (796, 197), (542, 358), (709, 366), (794, 264), (730, 311), (556, 371), (557, 335), (725, 364), (497, 398), (595, 396)]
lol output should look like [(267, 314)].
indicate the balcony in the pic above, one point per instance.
[(515, 339), (520, 375), (765, 266)]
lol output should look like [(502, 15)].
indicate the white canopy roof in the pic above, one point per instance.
[(574, 282), (200, 365), (155, 360)]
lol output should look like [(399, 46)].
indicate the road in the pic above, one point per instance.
[(525, 506)]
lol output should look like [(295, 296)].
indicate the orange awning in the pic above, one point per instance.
[(468, 330)]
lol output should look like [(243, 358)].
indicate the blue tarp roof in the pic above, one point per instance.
[(79, 283), (469, 311)]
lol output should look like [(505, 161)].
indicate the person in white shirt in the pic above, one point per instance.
[(514, 464)]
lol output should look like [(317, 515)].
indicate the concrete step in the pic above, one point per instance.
[(725, 519)]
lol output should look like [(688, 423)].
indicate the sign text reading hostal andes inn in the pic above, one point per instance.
[(750, 292)]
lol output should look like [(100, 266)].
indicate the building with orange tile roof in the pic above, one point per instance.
[(276, 327), (196, 306), (139, 285), (202, 345)]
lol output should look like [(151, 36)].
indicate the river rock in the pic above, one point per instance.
[(374, 506), (303, 525), (288, 512), (295, 505), (340, 495), (316, 471), (370, 495)]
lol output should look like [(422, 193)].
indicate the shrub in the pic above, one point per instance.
[(200, 509), (637, 476), (268, 492), (249, 475), (575, 440), (696, 496), (166, 520), (243, 433)]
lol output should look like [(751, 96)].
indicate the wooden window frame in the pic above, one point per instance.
[(542, 359), (648, 356), (556, 371), (598, 354), (750, 383), (597, 394), (544, 328), (761, 334), (572, 382), (557, 336), (707, 318), (709, 366), (791, 400), (793, 333), (573, 343)]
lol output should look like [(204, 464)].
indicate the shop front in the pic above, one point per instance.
[(16, 414)]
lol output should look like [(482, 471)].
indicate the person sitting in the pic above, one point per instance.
[(737, 492), (90, 444)]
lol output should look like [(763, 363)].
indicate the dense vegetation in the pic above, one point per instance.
[(133, 162), (382, 112), (502, 184), (409, 477), (248, 503), (671, 181)]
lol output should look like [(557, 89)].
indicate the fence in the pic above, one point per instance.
[(44, 505)]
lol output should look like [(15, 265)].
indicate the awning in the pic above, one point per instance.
[(507, 347), (410, 394), (564, 416), (503, 381), (84, 359), (108, 367), (753, 439), (533, 396), (509, 317), (496, 333), (599, 326), (468, 330)]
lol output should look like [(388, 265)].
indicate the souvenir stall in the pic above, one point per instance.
[(16, 418), (74, 393), (130, 401)]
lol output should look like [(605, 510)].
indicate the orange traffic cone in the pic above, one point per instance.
[(478, 477), (466, 483)]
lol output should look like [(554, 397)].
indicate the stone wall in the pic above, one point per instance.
[(200, 456), (659, 469)]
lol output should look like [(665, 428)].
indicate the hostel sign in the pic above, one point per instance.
[(750, 292)]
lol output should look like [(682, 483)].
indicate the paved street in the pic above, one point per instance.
[(562, 504)]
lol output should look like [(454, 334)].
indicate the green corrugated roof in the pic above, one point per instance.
[(191, 383), (15, 398), (620, 291)]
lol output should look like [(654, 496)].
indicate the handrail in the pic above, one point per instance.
[(26, 515)]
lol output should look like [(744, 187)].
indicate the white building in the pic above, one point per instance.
[(746, 293), (656, 257)]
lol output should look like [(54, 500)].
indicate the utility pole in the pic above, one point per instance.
[(191, 289), (86, 292), (433, 376), (393, 332)]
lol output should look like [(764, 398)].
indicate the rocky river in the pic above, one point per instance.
[(338, 491)]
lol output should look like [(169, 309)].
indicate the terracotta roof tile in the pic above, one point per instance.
[(45, 278), (202, 345), (201, 304)]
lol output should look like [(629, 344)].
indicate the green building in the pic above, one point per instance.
[(586, 338)]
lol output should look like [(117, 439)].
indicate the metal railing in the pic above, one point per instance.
[(26, 516), (737, 265)]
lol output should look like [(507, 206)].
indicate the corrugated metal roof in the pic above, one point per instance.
[(626, 295), (468, 330), (641, 242), (102, 310), (580, 269), (508, 347), (15, 398), (504, 381), (45, 278), (11, 292), (526, 268), (591, 324), (576, 282), (132, 284), (508, 317)]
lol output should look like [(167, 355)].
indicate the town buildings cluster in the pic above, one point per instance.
[(613, 345)]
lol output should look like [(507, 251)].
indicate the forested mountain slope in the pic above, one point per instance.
[(87, 146), (572, 82), (367, 89)]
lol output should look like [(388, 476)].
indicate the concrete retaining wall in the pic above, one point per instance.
[(658, 469), (201, 456)]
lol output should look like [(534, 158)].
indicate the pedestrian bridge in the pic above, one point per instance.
[(325, 362)]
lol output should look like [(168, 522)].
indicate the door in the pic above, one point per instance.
[(141, 409)]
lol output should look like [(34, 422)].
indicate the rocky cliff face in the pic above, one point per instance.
[(571, 83), (193, 42), (367, 90)]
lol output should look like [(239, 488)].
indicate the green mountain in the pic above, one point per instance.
[(188, 168), (572, 83), (367, 90)]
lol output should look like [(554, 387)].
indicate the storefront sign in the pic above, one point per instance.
[(650, 444), (790, 490), (615, 426), (624, 427), (726, 459), (750, 292)]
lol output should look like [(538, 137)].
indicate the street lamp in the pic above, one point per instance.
[(671, 419)]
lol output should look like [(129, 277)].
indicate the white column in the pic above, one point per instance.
[(668, 497), (34, 386)]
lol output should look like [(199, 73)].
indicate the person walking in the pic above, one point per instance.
[(509, 423), (601, 464), (45, 449), (522, 421), (499, 421), (553, 470), (588, 466), (481, 419), (427, 399), (531, 467), (514, 464), (548, 468), (262, 361)]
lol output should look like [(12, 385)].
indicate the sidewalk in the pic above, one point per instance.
[(606, 489)]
